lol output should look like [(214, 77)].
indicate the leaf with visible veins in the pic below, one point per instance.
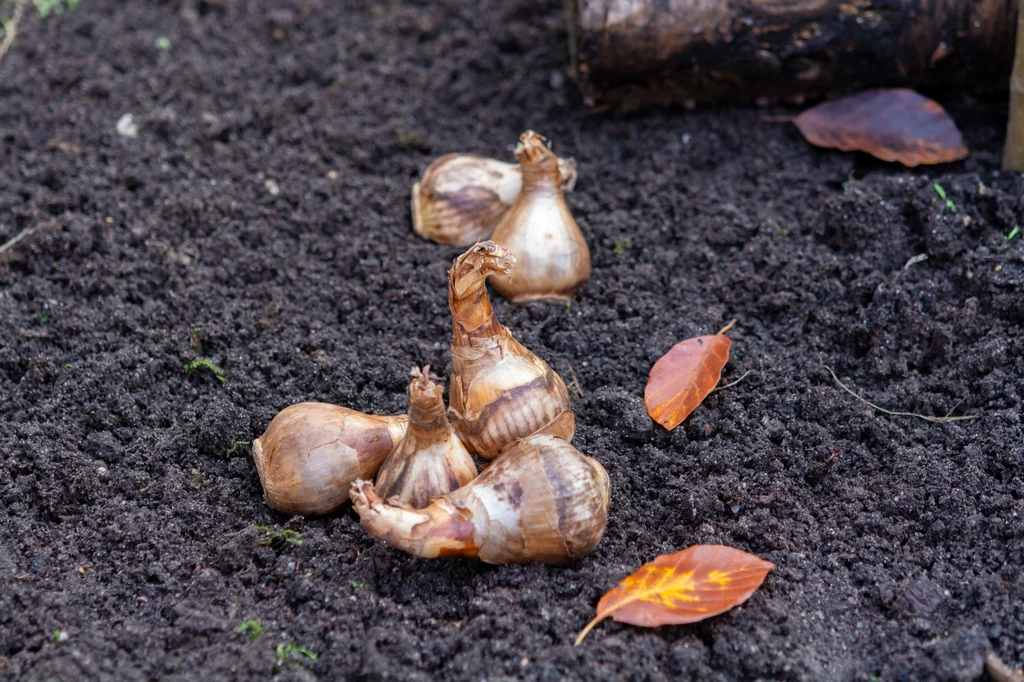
[(685, 587)]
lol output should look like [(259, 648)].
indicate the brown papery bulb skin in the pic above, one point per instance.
[(430, 460), (500, 391), (311, 452), (552, 258), (542, 500), (461, 197)]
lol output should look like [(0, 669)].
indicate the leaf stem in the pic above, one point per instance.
[(727, 327), (586, 630)]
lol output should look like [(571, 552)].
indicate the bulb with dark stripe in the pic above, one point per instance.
[(430, 460), (500, 391), (461, 197), (541, 500)]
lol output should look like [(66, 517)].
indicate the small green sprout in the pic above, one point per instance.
[(1013, 233), (68, 365), (620, 247), (202, 363), (356, 585), (197, 479), (234, 448), (407, 139), (162, 43), (941, 191), (48, 7), (45, 319), (271, 535), (59, 637), (251, 628), (287, 653)]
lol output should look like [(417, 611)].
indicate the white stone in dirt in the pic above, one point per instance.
[(127, 127)]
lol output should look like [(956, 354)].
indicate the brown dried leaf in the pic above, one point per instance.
[(684, 376), (894, 124)]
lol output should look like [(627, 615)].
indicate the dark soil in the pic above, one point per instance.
[(125, 524)]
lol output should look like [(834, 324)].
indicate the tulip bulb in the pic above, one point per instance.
[(430, 460), (311, 452), (500, 391), (552, 258), (461, 197), (542, 500)]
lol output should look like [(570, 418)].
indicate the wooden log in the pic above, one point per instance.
[(713, 50), (1013, 148)]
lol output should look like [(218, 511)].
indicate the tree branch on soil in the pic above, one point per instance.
[(575, 381), (938, 420), (10, 29), (733, 383), (999, 671), (9, 244)]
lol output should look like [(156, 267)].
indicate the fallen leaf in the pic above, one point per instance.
[(685, 587), (683, 377), (893, 124)]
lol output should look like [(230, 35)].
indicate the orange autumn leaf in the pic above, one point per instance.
[(683, 377), (894, 124), (685, 587)]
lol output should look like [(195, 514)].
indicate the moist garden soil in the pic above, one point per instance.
[(260, 219)]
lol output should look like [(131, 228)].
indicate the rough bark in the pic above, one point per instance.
[(642, 50), (1013, 150)]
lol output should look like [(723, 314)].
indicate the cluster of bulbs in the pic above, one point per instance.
[(463, 198), (538, 498)]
